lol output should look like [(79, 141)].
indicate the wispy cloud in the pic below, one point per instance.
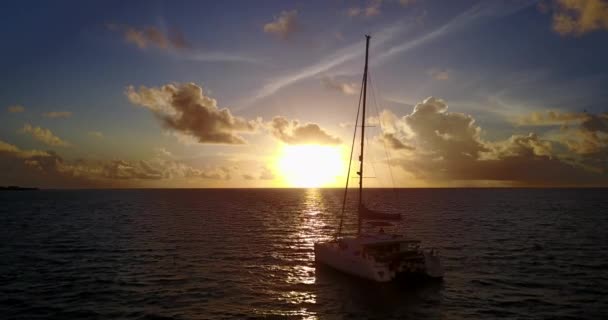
[(149, 36), (96, 134), (174, 44), (344, 87), (337, 58), (482, 10), (284, 25), (372, 9), (217, 57), (353, 51), (43, 135), (15, 109), (439, 74), (57, 114)]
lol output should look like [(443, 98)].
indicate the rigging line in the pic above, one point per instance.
[(350, 161), (375, 174), (388, 156)]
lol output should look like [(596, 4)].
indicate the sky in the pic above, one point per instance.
[(239, 94)]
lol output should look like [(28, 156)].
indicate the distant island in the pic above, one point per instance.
[(16, 188)]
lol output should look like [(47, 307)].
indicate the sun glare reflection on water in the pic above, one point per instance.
[(310, 228)]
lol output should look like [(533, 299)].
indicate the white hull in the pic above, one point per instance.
[(351, 260), (329, 254)]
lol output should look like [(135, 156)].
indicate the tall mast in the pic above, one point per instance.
[(367, 37)]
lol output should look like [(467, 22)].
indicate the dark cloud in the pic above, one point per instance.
[(591, 137), (49, 169), (42, 168), (448, 147), (583, 133), (578, 17), (294, 133), (184, 108)]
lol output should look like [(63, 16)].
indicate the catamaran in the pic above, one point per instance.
[(376, 256)]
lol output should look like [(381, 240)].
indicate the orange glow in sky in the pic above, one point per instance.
[(310, 166)]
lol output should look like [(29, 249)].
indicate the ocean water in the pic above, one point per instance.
[(241, 254)]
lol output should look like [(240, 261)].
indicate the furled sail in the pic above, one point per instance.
[(369, 214)]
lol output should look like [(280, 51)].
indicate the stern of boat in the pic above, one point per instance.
[(432, 264)]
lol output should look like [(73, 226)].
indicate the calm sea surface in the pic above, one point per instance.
[(237, 254)]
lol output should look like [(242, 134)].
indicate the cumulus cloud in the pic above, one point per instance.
[(151, 36), (444, 134), (344, 87), (57, 114), (157, 169), (550, 118), (49, 169), (522, 145), (6, 147), (184, 108), (394, 143), (591, 137), (577, 17), (371, 9), (294, 133), (15, 109), (120, 169), (265, 174), (33, 167), (448, 146), (43, 135), (583, 133), (283, 25)]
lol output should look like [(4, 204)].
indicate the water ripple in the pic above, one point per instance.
[(248, 254)]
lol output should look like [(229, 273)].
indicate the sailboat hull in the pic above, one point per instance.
[(351, 257), (330, 255)]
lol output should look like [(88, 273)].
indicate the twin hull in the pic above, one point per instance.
[(365, 266)]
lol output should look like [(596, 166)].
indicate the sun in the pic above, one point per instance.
[(310, 166)]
